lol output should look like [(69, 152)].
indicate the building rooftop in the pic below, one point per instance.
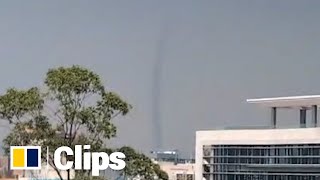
[(288, 102), (303, 103)]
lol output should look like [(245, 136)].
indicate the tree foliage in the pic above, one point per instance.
[(74, 108), (139, 165)]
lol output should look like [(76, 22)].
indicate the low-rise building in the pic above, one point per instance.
[(177, 168), (178, 171)]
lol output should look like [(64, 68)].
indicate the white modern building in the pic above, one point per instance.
[(263, 154)]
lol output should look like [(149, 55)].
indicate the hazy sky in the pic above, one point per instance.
[(217, 54)]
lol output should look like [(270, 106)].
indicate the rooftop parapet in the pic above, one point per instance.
[(303, 103)]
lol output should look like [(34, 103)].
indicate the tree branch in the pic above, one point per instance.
[(51, 163)]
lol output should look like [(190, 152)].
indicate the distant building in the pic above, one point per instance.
[(175, 171), (177, 168), (170, 156), (263, 154)]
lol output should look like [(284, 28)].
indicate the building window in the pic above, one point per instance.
[(243, 161), (185, 177)]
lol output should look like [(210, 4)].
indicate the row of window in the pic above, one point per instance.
[(261, 177), (263, 160), (263, 152), (228, 162), (227, 168), (265, 146), (185, 177)]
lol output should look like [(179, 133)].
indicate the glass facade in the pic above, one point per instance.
[(262, 162)]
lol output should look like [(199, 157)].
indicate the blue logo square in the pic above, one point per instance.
[(32, 160)]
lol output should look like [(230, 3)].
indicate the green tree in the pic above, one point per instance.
[(74, 107), (138, 164)]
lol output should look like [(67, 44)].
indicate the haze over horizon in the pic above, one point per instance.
[(217, 54)]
